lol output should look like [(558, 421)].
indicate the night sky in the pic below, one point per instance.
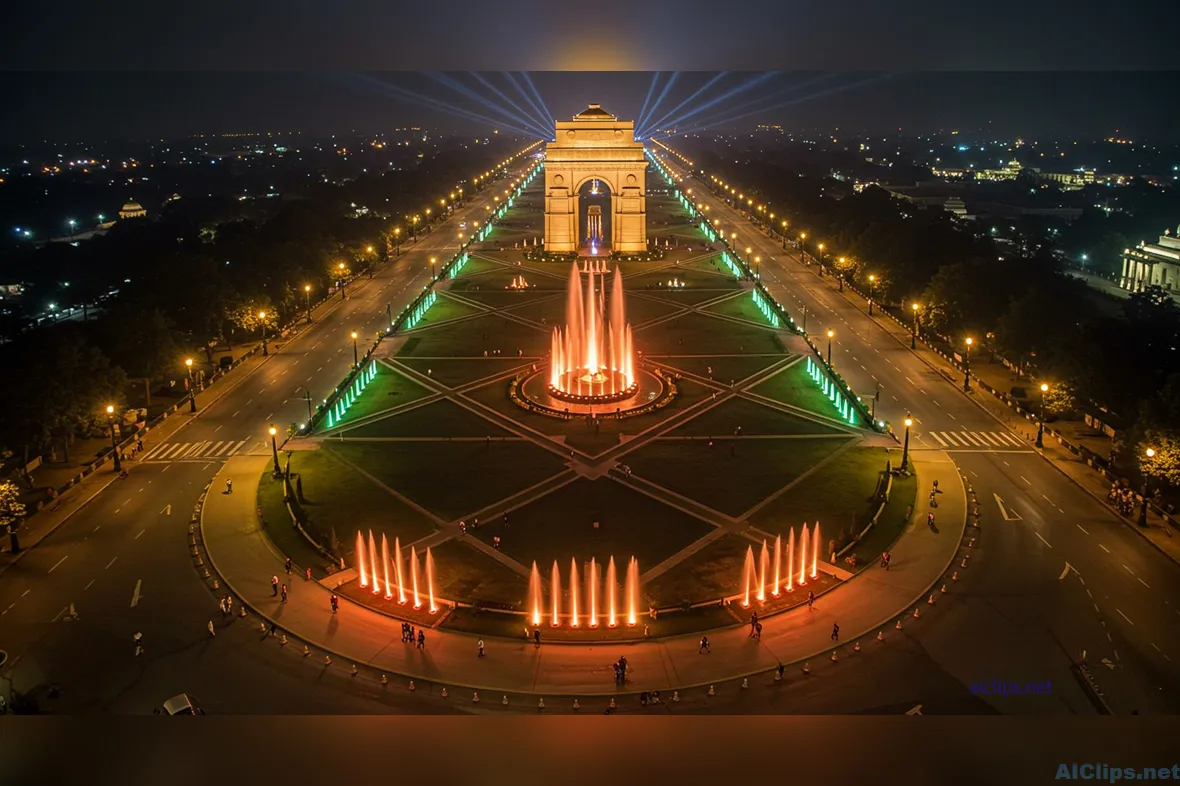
[(140, 70)]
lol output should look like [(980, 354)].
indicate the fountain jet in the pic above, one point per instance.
[(430, 581), (535, 594), (414, 577), (398, 574), (815, 552), (373, 563), (791, 560), (633, 592), (748, 575), (555, 593), (763, 569), (803, 556), (592, 592), (592, 359), (778, 558), (573, 592), (360, 559), (385, 566), (611, 592)]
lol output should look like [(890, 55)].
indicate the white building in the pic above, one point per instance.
[(132, 210), (1153, 264)]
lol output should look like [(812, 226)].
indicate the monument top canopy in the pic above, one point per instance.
[(594, 112)]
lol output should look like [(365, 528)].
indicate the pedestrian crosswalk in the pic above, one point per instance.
[(193, 451), (983, 440)]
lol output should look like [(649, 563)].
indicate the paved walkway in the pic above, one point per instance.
[(245, 559)]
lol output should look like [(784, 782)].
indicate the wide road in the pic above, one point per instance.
[(70, 608), (1019, 612)]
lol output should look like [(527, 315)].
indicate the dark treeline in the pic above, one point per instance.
[(194, 280), (1097, 352)]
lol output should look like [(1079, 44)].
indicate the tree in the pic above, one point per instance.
[(12, 510), (1164, 464)]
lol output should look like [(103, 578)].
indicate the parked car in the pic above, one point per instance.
[(181, 704)]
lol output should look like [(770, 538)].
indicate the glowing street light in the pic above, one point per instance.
[(114, 443), (192, 387), (872, 287), (1150, 453), (1041, 423), (355, 358), (914, 334), (905, 451), (967, 366), (274, 449), (307, 300), (262, 319), (831, 335)]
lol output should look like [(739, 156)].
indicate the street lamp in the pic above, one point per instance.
[(783, 235), (355, 360), (967, 367), (340, 268), (914, 335), (274, 450), (757, 267), (1150, 452), (803, 247), (840, 275), (262, 319), (831, 335), (1041, 424), (307, 299), (821, 259), (748, 252), (872, 287), (192, 387), (905, 451), (432, 261), (114, 443), (397, 242)]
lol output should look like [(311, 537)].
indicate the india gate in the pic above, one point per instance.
[(595, 162)]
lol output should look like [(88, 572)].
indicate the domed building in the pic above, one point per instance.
[(132, 210)]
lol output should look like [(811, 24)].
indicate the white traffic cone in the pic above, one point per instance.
[(880, 635), (806, 668), (943, 590), (577, 706), (283, 640), (675, 695), (898, 626), (327, 660), (354, 671), (412, 686), (955, 576), (856, 647), (930, 600), (504, 700), (384, 680), (475, 698), (916, 614), (242, 611), (306, 650), (963, 564), (711, 691), (745, 683), (444, 693), (834, 658), (612, 704), (540, 704), (216, 585), (262, 627)]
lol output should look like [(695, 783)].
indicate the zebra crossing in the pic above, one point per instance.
[(985, 440), (193, 451)]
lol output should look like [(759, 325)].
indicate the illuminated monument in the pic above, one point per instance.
[(595, 162)]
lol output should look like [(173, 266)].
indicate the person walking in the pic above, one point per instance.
[(536, 637), (283, 592), (229, 605), (309, 574), (274, 626), (229, 487), (335, 603), (274, 586), (758, 632), (288, 566), (835, 632), (421, 639), (811, 601), (480, 646), (704, 646), (753, 623)]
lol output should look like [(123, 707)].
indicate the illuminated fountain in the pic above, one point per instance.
[(592, 359), (374, 573), (756, 573), (518, 282), (576, 612)]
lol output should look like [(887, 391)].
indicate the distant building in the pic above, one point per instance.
[(132, 210), (1153, 264), (955, 205)]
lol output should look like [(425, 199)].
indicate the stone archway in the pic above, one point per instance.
[(595, 145)]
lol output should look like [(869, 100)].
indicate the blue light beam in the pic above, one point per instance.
[(688, 100)]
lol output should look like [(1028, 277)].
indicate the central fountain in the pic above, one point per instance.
[(592, 359)]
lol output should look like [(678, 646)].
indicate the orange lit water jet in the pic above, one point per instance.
[(592, 592), (414, 577), (535, 594), (373, 563), (748, 577), (555, 593), (633, 592), (803, 556), (593, 357), (778, 558), (791, 560), (398, 573), (574, 593), (611, 591), (360, 559), (763, 569), (385, 566), (815, 552), (430, 581)]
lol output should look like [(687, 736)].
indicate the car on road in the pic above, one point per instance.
[(181, 704)]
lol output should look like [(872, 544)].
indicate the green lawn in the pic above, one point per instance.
[(474, 337), (282, 533), (548, 311), (794, 386), (743, 307), (453, 479), (725, 369), (692, 279), (713, 572), (445, 308), (499, 278), (455, 372), (505, 298), (465, 573), (387, 390), (752, 417), (729, 483), (442, 419), (338, 499), (560, 526), (892, 523), (704, 335), (839, 495), (642, 309)]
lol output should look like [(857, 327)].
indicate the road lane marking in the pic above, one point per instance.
[(217, 429), (1128, 570), (268, 417), (60, 561), (1144, 583), (88, 585), (1083, 529), (1124, 616), (112, 562), (1104, 548), (1026, 480), (1042, 539), (26, 592), (235, 414), (135, 594), (1051, 502), (935, 435)]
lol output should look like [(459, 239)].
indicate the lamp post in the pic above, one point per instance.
[(355, 359), (1041, 422), (397, 242), (872, 288), (905, 450), (262, 319), (783, 236), (192, 387), (967, 367), (114, 443), (803, 247), (307, 300), (820, 269), (432, 261), (914, 334), (748, 252), (340, 268), (389, 314), (274, 449), (831, 335), (757, 267), (840, 273), (1150, 453)]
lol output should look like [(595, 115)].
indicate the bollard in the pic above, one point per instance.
[(327, 660), (216, 585), (880, 635), (916, 614), (955, 576), (540, 704), (834, 658), (412, 688), (745, 683), (856, 647), (241, 611), (943, 590), (576, 705), (675, 695), (283, 640), (971, 543), (306, 650), (262, 627), (930, 600), (384, 680), (710, 693), (612, 704), (475, 698), (778, 676), (963, 564), (354, 672), (206, 573), (806, 668), (504, 700), (444, 692)]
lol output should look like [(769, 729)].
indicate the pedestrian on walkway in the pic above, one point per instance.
[(811, 600), (758, 632), (480, 646), (618, 673), (229, 605), (704, 645), (212, 632), (139, 444), (495, 541), (229, 487), (283, 592), (335, 603), (537, 637), (309, 574), (753, 622), (835, 632), (421, 639), (221, 605), (274, 626), (781, 669), (274, 586), (288, 566), (623, 668)]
